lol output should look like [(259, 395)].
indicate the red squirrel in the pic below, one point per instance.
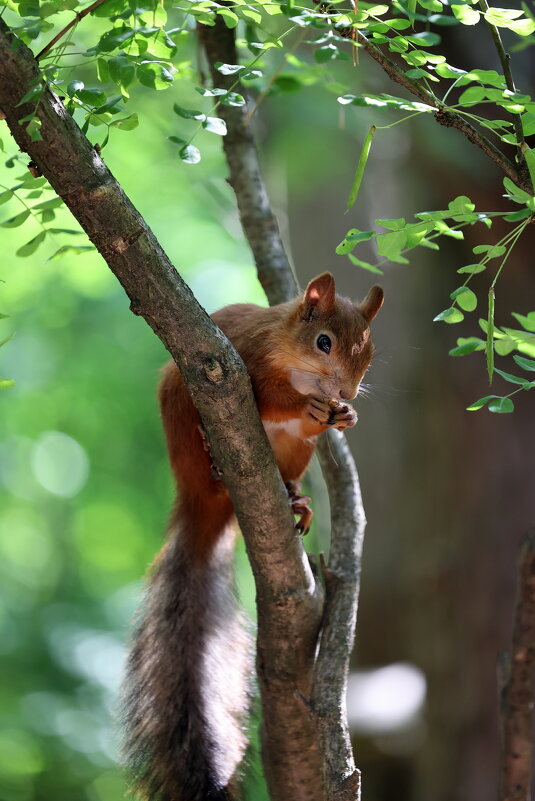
[(186, 690)]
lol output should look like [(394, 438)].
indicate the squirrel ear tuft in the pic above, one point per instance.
[(371, 303), (320, 295)]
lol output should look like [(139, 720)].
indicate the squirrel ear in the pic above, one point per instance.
[(371, 303), (319, 294)]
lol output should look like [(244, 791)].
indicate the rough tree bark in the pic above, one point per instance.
[(515, 674), (306, 740)]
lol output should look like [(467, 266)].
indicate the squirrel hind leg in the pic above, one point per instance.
[(300, 507)]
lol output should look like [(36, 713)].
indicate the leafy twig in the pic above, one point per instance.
[(449, 119), (79, 16), (505, 60)]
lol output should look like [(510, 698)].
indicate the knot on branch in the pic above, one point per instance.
[(121, 244), (213, 370), (445, 118)]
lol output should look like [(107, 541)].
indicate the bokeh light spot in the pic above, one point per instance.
[(60, 464)]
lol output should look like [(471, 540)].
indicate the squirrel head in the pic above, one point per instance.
[(331, 342)]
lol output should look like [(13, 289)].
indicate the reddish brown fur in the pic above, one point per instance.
[(272, 342)]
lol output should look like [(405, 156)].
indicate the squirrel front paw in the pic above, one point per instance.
[(331, 413)]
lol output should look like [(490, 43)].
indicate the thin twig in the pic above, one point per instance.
[(79, 16), (505, 60), (262, 96), (516, 684)]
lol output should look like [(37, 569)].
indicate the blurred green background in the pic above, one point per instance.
[(85, 488)]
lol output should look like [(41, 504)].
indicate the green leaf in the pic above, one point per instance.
[(215, 125), (31, 246), (461, 205), (427, 38), (528, 123), (228, 69), (5, 196), (232, 99), (53, 203), (529, 155), (488, 77), (364, 264), (466, 299), (121, 70), (512, 379), (126, 123), (501, 406), (478, 404), (6, 383), (523, 27), (188, 153), (527, 364), (390, 246), (112, 39), (69, 249), (447, 71), (514, 191), (445, 230), (516, 216), (450, 316), (490, 251), (393, 224), (526, 321), (472, 269), (503, 347), (229, 17), (74, 87), (188, 114), (508, 18), (466, 15), (93, 97), (490, 336), (472, 95), (351, 239), (361, 165), (17, 220), (467, 345), (325, 53), (154, 75)]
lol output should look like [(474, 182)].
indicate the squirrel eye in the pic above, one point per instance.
[(324, 343)]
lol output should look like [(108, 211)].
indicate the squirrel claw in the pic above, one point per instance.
[(300, 507)]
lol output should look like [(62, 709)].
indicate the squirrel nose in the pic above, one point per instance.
[(348, 393)]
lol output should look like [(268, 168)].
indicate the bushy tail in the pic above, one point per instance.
[(186, 688)]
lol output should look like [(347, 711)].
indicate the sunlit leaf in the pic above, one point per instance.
[(501, 406), (361, 166), (450, 315), (467, 345)]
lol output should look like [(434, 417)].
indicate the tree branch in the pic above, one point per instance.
[(288, 600), (258, 221), (324, 700), (342, 583), (516, 680), (79, 16)]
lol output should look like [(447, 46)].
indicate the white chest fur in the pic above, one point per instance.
[(292, 428)]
